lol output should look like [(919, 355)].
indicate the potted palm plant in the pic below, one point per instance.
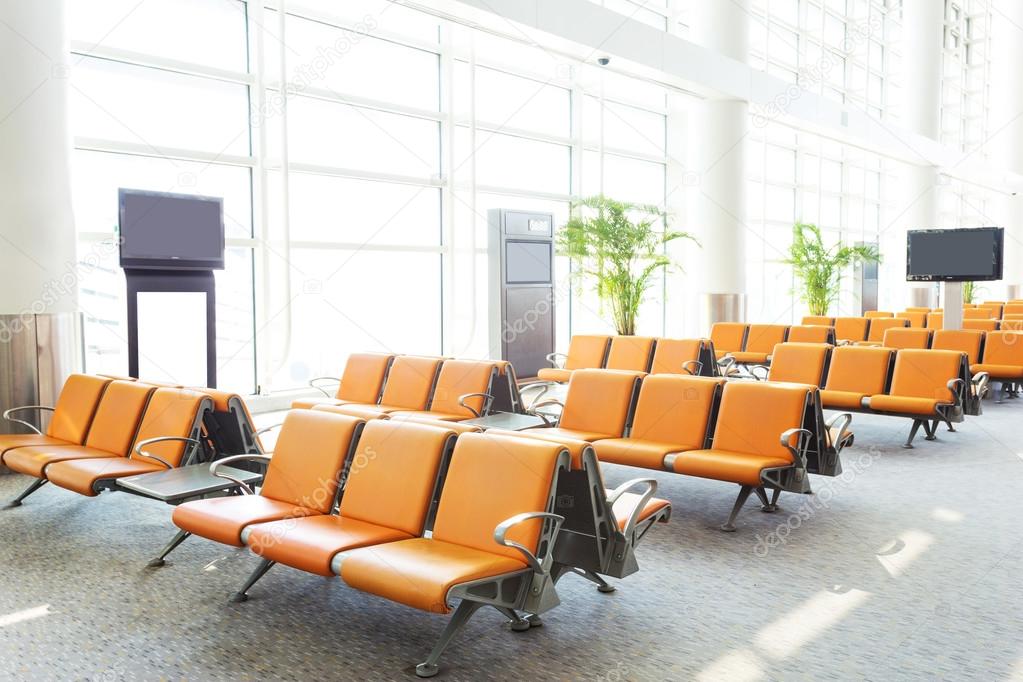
[(819, 269), (615, 244)]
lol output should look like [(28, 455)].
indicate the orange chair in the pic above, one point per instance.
[(812, 334), (584, 352), (918, 309), (683, 356), (302, 479), (855, 373), (492, 540), (817, 321), (463, 391), (980, 313), (361, 382), (110, 434), (878, 327), (917, 318), (927, 388), (907, 338), (70, 420), (409, 387), (760, 342), (728, 338), (169, 436), (851, 329), (1002, 361), (1012, 309), (970, 342), (876, 314), (987, 325), (631, 353), (796, 363), (935, 320), (597, 405)]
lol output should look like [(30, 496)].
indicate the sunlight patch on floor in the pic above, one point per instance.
[(27, 614)]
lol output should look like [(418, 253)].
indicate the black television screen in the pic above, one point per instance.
[(171, 231), (965, 255)]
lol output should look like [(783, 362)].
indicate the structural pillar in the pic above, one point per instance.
[(40, 336), (716, 174)]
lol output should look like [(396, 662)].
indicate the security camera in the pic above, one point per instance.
[(604, 60)]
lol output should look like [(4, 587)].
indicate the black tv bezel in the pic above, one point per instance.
[(998, 256), (141, 263)]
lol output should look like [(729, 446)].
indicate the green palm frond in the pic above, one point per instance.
[(819, 269)]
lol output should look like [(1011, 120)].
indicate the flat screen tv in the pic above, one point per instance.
[(170, 231), (966, 255)]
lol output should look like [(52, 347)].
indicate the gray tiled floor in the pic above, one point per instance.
[(907, 568)]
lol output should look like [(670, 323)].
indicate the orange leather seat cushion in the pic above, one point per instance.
[(81, 475), (358, 410), (572, 434), (905, 404), (222, 519), (634, 452), (722, 465), (749, 357), (421, 571), (9, 441), (310, 403), (34, 460), (310, 543), (554, 374), (627, 503), (998, 371), (842, 400)]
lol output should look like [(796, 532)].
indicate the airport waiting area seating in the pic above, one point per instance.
[(361, 382), (585, 351), (645, 354), (1002, 361)]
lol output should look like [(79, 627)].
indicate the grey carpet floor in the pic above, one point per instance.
[(906, 568)]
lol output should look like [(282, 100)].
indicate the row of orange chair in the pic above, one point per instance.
[(631, 353), (431, 514), (752, 344)]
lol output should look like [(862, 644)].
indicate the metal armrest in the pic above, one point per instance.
[(268, 428), (980, 382), (333, 380), (544, 386), (726, 365), (651, 488), (214, 469), (958, 388), (502, 530), (753, 372), (8, 417), (162, 439), (835, 441), (553, 359), (686, 367), (544, 403), (488, 400), (799, 452)]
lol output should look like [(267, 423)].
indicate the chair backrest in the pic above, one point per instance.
[(676, 409), (458, 377), (76, 407), (917, 318), (363, 378), (851, 328), (309, 457), (671, 355), (118, 415), (1013, 325), (754, 415), (987, 325), (935, 320), (818, 321), (231, 427), (994, 307), (762, 338), (586, 351), (1012, 309), (967, 341), (917, 309), (875, 314), (859, 369), (728, 337), (1004, 348), (599, 400), (812, 334), (630, 353), (1012, 316), (879, 325), (800, 363), (983, 313), (490, 479), (410, 382), (172, 412), (394, 473), (925, 373), (907, 338)]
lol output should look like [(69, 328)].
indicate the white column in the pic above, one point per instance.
[(917, 201), (37, 256), (1005, 144), (716, 176)]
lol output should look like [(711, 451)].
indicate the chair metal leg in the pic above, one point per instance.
[(181, 536), (459, 618), (602, 585), (744, 493), (36, 485), (768, 506), (912, 433), (931, 427), (241, 595), (517, 622)]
